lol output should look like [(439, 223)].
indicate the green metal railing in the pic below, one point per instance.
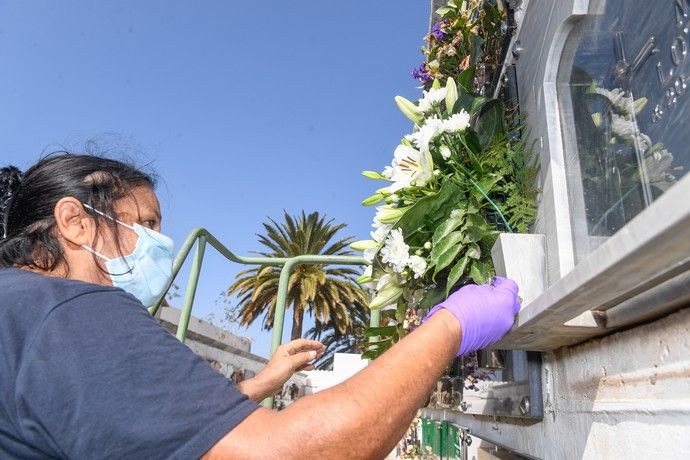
[(203, 237)]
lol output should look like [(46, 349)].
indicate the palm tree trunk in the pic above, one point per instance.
[(297, 322)]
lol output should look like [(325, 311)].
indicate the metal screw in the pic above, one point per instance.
[(517, 49), (524, 405)]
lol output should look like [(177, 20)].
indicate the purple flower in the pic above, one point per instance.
[(436, 30), (421, 73)]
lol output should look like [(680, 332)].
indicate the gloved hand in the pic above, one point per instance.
[(485, 312)]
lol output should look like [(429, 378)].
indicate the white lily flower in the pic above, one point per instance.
[(457, 122), (387, 172), (395, 251), (410, 165), (432, 97), (417, 265)]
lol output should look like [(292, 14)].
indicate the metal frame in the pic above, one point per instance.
[(204, 237)]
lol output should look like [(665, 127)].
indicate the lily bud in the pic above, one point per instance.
[(451, 94), (372, 200), (363, 245), (373, 175), (410, 110)]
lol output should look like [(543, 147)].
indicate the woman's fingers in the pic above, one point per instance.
[(302, 359), (299, 345)]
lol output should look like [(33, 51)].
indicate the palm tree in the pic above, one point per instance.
[(326, 293), (352, 341)]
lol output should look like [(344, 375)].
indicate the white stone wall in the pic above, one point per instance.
[(624, 396)]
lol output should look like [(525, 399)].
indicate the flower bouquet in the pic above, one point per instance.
[(455, 182)]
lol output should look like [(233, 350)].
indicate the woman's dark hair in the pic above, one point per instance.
[(27, 202)]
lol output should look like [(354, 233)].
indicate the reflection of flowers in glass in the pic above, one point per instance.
[(657, 161)]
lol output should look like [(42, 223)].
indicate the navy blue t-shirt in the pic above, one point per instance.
[(86, 372)]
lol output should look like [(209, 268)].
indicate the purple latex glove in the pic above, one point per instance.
[(485, 312)]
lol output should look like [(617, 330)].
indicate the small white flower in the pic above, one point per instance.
[(395, 251), (445, 152), (369, 254), (431, 98), (457, 122), (380, 232), (418, 266), (423, 137)]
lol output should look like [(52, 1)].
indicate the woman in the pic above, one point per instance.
[(88, 373)]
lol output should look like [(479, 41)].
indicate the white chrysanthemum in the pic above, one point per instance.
[(410, 165), (445, 152), (457, 122), (395, 251), (417, 265), (423, 137), (380, 232), (431, 98)]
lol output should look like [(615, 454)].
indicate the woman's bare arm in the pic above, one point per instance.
[(363, 417)]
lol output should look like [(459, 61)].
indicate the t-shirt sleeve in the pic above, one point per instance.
[(101, 379)]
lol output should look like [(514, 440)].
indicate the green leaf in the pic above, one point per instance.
[(489, 124), (436, 84), (473, 234), (466, 78), (445, 252), (448, 226), (480, 272), (420, 219), (456, 273), (473, 251), (472, 141), (444, 245)]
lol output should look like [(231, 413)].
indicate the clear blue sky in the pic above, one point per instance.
[(244, 108)]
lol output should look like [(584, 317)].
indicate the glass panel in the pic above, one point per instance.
[(624, 107)]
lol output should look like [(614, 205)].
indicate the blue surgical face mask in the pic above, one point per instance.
[(146, 272)]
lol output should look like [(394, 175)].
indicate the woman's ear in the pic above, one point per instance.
[(75, 225)]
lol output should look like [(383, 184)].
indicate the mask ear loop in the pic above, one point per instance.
[(101, 213), (108, 217)]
